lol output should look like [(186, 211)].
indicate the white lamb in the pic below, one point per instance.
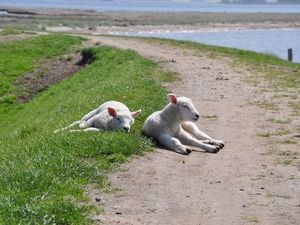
[(174, 127), (110, 115)]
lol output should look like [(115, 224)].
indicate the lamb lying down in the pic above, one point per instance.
[(174, 127), (110, 115)]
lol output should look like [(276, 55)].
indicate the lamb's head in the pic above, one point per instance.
[(185, 107), (122, 120)]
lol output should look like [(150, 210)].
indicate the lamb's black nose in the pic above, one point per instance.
[(126, 128), (197, 116)]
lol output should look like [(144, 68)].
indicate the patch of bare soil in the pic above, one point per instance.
[(242, 184), (48, 73)]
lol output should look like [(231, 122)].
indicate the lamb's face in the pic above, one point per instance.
[(187, 109), (122, 121)]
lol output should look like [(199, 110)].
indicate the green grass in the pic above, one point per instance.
[(20, 57), (42, 174), (11, 31)]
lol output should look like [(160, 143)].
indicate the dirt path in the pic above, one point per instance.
[(239, 185)]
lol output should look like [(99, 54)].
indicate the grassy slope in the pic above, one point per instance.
[(49, 169), (41, 173)]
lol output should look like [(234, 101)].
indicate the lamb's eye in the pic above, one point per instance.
[(185, 106), (119, 119)]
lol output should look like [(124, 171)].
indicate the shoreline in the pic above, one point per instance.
[(115, 30), (122, 22)]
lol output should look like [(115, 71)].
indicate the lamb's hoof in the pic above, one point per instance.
[(214, 150), (218, 144), (188, 151)]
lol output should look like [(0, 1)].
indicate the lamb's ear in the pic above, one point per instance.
[(136, 113), (172, 98), (112, 112)]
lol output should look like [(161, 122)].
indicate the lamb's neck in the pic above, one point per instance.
[(170, 113)]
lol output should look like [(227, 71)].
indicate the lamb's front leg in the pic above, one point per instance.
[(188, 139), (173, 144), (191, 128)]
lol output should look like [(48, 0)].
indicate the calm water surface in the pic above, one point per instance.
[(271, 41), (127, 5)]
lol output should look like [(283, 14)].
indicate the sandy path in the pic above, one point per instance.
[(239, 185)]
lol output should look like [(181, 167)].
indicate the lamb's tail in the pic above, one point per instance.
[(71, 125)]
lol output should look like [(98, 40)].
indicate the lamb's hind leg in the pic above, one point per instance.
[(86, 130), (191, 128), (187, 139), (173, 144)]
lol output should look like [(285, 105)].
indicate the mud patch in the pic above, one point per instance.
[(49, 73)]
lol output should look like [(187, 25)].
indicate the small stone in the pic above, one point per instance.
[(118, 213), (173, 60), (183, 161), (262, 188), (98, 199), (241, 189)]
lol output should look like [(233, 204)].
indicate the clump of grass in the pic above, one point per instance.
[(269, 106), (279, 132), (251, 219), (288, 153), (210, 116), (279, 121), (289, 141), (42, 174), (88, 56), (285, 162), (264, 134)]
